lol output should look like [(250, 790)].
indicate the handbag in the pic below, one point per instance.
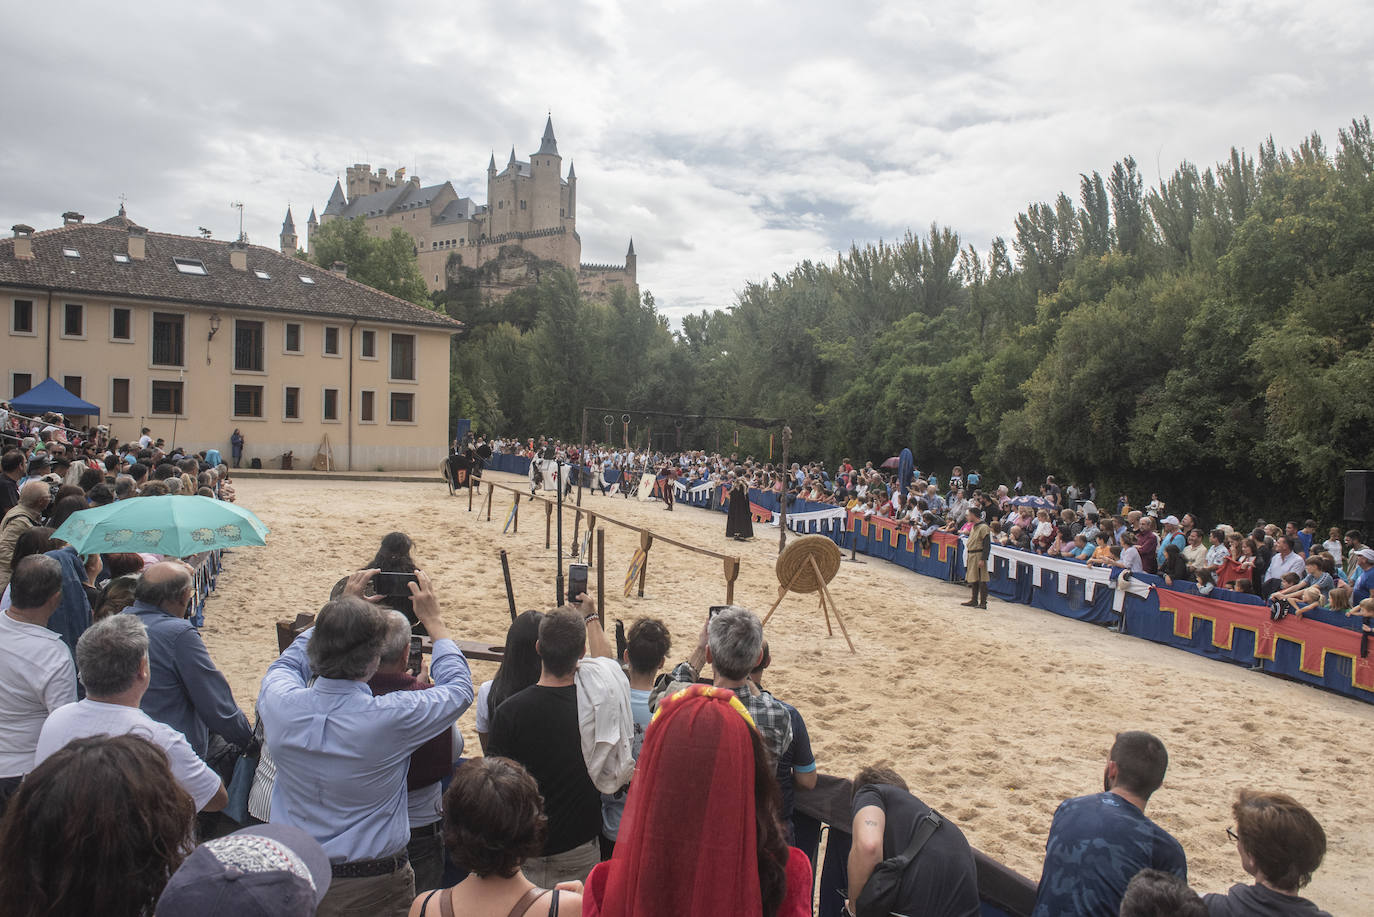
[(879, 895)]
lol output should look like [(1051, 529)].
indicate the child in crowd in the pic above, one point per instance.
[(1043, 535), (1203, 578)]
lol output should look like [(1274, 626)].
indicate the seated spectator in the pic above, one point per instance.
[(739, 861), (1204, 582), (1311, 591), (345, 787), (1098, 843), (1173, 567), (493, 821), (1281, 844), (1102, 551), (95, 829), (112, 662), (1154, 893), (1285, 560), (259, 871), (1019, 538), (518, 670), (1339, 599), (941, 880), (1194, 551), (1362, 577)]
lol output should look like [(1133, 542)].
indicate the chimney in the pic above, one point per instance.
[(238, 256), (137, 242), (23, 245), (71, 216), (339, 269)]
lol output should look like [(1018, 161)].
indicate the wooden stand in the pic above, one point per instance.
[(827, 602), (324, 457)]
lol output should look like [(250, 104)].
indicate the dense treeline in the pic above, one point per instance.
[(1208, 338)]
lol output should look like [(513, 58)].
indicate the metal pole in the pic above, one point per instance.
[(601, 575), (558, 482)]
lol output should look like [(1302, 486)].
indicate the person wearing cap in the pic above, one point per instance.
[(39, 465), (1362, 579), (261, 871), (341, 754), (1172, 536)]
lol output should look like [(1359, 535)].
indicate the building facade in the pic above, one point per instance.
[(531, 210), (193, 338)]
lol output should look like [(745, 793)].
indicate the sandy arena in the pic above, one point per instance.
[(993, 716)]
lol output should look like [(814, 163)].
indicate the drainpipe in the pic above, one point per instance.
[(47, 343), (351, 329)]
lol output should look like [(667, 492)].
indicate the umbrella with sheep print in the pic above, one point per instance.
[(172, 525)]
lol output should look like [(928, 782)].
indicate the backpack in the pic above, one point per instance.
[(879, 895)]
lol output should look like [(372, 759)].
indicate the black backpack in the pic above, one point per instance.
[(879, 895)]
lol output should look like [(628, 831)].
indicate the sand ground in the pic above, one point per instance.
[(992, 716)]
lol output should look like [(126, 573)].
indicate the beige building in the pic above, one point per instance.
[(193, 338), (530, 215)]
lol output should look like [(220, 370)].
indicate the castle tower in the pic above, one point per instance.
[(288, 234), (572, 195), (337, 202), (632, 264), (546, 208), (311, 225)]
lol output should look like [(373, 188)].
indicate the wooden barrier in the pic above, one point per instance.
[(646, 537)]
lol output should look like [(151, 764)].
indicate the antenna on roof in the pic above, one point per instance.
[(204, 233), (237, 205)]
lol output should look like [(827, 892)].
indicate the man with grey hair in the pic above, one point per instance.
[(732, 641), (342, 754), (34, 498), (124, 487), (187, 691), (36, 673), (112, 656), (430, 763)]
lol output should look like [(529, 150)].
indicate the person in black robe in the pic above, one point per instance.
[(739, 519)]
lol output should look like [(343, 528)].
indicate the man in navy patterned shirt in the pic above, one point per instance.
[(1098, 843)]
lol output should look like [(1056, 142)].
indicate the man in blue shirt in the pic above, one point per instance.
[(1098, 843), (342, 754), (187, 691), (1362, 576)]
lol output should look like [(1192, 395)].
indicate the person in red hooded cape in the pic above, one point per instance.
[(701, 834)]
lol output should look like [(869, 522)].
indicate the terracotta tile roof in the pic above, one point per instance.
[(156, 277)]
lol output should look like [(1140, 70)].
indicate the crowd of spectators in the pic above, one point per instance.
[(133, 783)]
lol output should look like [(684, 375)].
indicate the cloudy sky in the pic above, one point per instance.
[(731, 140)]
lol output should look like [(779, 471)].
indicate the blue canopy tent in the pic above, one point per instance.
[(49, 396)]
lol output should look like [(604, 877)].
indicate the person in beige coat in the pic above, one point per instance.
[(33, 499)]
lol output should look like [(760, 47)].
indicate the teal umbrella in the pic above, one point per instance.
[(174, 525)]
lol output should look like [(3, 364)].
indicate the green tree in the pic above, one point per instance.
[(387, 264)]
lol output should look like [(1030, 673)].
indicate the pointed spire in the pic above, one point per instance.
[(491, 166), (572, 171), (511, 162), (631, 252), (337, 201), (548, 145), (288, 225), (313, 221)]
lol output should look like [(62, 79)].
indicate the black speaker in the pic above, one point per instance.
[(1359, 496)]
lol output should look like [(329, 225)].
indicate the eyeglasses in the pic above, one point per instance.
[(1235, 838)]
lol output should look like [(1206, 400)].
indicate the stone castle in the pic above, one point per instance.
[(529, 219)]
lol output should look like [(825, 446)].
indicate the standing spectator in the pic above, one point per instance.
[(11, 470), (430, 763), (187, 691), (34, 498), (95, 829), (236, 446), (942, 880), (646, 649), (519, 668), (1097, 843), (1147, 543), (1354, 540), (36, 672), (260, 871), (344, 785), (732, 641), (1172, 536), (1362, 579), (796, 765), (1285, 560), (976, 551), (721, 852), (112, 657), (1281, 845), (1333, 544), (538, 727)]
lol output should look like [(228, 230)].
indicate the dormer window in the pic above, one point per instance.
[(190, 266)]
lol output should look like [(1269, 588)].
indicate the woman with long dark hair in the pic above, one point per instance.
[(702, 834), (393, 556), (97, 828), (520, 668)]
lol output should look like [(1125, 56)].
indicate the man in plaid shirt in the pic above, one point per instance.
[(732, 641)]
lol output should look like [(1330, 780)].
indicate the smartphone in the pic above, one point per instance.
[(715, 610), (393, 584), (577, 581), (417, 654)]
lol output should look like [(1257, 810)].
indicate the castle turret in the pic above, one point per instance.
[(632, 264), (548, 145), (311, 225), (337, 202), (572, 191), (288, 233)]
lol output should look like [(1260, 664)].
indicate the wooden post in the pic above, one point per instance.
[(510, 592), (731, 573), (470, 495), (646, 541), (515, 515), (601, 575), (490, 491), (787, 478), (548, 525)]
